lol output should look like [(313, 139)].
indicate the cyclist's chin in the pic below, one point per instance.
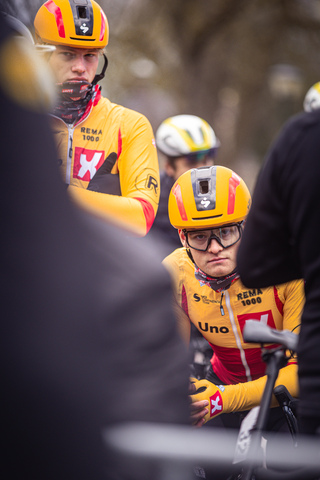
[(219, 269)]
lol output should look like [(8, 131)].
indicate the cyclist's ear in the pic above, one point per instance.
[(182, 238)]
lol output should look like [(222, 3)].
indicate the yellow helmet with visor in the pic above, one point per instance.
[(208, 197), (73, 23)]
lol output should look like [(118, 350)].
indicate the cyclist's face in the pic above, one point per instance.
[(74, 64), (182, 165), (216, 261)]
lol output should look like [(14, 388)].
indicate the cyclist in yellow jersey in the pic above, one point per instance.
[(209, 206), (107, 152)]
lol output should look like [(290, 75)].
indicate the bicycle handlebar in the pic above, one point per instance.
[(257, 332)]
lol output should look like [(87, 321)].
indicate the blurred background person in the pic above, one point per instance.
[(312, 99), (185, 141)]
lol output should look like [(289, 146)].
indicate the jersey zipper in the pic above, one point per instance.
[(237, 337), (70, 141), (221, 306)]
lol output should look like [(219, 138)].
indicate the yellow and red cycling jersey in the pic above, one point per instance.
[(220, 318), (103, 129)]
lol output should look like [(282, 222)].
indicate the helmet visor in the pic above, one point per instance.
[(226, 236), (201, 155)]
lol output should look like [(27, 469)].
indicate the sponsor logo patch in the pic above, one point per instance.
[(147, 183), (216, 404), (263, 317), (86, 163)]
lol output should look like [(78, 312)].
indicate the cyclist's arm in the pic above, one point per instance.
[(184, 322), (291, 295), (245, 396), (134, 215), (237, 398), (139, 179)]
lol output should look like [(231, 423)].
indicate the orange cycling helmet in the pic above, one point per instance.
[(74, 23), (208, 197)]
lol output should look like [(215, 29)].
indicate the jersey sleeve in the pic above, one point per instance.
[(292, 296), (245, 396), (184, 323), (139, 177)]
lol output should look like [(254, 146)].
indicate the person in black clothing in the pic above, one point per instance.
[(186, 141), (88, 338), (281, 242)]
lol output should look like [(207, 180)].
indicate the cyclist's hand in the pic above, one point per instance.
[(198, 409), (214, 395), (104, 181)]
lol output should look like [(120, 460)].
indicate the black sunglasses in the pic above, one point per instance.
[(201, 155)]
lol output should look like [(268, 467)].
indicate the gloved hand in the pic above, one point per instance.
[(217, 396), (236, 398), (198, 409), (104, 181)]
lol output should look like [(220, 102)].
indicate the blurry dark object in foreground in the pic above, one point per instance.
[(87, 337)]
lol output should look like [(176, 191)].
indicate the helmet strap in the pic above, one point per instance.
[(101, 75)]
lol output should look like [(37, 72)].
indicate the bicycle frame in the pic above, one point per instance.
[(275, 360)]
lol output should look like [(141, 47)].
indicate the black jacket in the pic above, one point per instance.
[(281, 239)]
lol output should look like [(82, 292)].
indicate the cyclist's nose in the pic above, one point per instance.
[(79, 64), (214, 246)]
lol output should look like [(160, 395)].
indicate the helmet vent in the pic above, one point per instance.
[(82, 12), (204, 187), (203, 182)]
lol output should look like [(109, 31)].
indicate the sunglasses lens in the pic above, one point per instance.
[(201, 156)]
